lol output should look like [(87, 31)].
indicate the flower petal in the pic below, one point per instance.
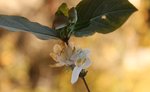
[(53, 56), (69, 50), (75, 55), (83, 53), (57, 48), (57, 65), (75, 74), (61, 58), (86, 52), (87, 63)]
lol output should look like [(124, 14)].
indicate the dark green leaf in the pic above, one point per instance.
[(64, 21), (62, 10), (73, 17), (101, 16), (61, 17), (17, 23)]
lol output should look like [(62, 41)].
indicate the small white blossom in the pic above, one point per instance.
[(71, 56)]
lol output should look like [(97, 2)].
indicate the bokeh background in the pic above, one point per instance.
[(120, 60)]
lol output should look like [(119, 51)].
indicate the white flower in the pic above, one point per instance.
[(71, 56)]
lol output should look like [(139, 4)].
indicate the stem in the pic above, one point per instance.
[(85, 83), (66, 41)]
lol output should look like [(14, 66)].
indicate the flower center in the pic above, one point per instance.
[(80, 62)]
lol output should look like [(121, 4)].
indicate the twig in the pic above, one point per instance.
[(85, 83)]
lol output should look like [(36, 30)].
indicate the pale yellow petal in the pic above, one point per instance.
[(57, 65), (57, 49), (54, 56)]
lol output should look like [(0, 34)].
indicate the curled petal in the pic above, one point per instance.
[(75, 74), (73, 58), (87, 63), (61, 59), (54, 56), (57, 65), (76, 54), (87, 52), (57, 49), (83, 53)]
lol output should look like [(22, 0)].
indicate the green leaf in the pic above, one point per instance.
[(61, 17), (63, 10), (73, 17), (64, 21), (17, 23), (102, 16)]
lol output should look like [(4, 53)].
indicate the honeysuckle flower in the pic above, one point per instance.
[(76, 58)]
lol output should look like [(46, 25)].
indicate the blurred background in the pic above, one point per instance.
[(120, 60)]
